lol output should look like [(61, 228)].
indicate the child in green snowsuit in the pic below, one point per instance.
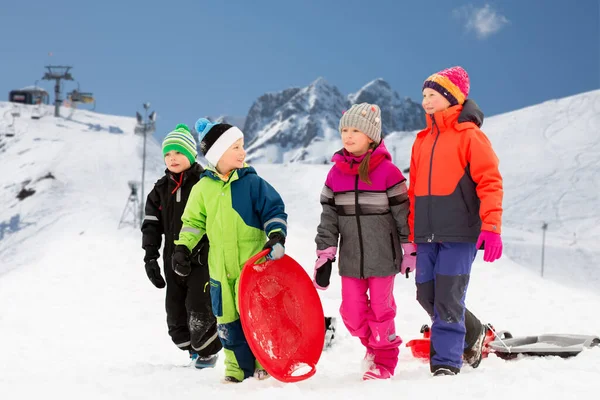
[(237, 210)]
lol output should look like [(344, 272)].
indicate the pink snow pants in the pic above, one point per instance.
[(371, 318)]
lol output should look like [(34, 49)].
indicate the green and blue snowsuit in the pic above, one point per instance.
[(237, 215)]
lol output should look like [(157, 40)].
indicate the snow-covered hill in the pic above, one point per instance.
[(550, 161), (75, 171), (79, 319)]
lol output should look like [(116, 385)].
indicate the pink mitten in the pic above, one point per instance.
[(492, 244), (323, 267), (409, 260)]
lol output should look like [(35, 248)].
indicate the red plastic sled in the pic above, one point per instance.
[(282, 317), (420, 348)]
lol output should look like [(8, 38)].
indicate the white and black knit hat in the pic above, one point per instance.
[(215, 139), (363, 116)]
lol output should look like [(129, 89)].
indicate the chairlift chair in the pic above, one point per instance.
[(76, 96), (14, 113)]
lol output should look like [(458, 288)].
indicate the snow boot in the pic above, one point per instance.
[(230, 379), (329, 332), (368, 362), (206, 362), (261, 374), (473, 355), (443, 372), (203, 362), (376, 372)]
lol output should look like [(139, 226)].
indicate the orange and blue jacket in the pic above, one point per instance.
[(455, 186)]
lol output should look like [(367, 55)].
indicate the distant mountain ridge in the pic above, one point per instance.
[(287, 126)]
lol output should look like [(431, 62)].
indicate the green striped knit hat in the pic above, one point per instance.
[(181, 140)]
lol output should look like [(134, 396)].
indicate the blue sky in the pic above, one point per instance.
[(196, 58)]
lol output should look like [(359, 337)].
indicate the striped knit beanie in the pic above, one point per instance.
[(181, 140), (363, 116), (215, 139), (452, 83)]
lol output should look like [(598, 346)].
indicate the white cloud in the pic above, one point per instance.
[(484, 21)]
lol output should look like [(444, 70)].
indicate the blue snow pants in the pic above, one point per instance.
[(442, 278)]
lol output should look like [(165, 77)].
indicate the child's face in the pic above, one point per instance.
[(433, 101), (176, 162), (233, 158), (355, 141)]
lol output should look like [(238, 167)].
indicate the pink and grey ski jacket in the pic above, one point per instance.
[(370, 220)]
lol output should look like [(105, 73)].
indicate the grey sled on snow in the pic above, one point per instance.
[(561, 345)]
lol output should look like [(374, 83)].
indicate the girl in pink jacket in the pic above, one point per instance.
[(365, 206)]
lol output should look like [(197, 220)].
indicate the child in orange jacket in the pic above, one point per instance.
[(455, 208)]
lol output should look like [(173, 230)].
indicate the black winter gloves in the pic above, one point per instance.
[(181, 260), (153, 272), (322, 274)]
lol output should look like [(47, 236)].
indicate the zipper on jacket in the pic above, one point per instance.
[(430, 205), (393, 248), (360, 243), (177, 184)]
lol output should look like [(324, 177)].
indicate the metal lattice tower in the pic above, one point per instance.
[(56, 73), (130, 213)]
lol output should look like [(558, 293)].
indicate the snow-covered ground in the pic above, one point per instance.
[(79, 318)]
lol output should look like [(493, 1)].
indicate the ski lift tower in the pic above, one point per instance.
[(144, 127), (56, 73), (131, 207)]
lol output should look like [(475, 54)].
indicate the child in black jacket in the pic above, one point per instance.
[(192, 325)]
